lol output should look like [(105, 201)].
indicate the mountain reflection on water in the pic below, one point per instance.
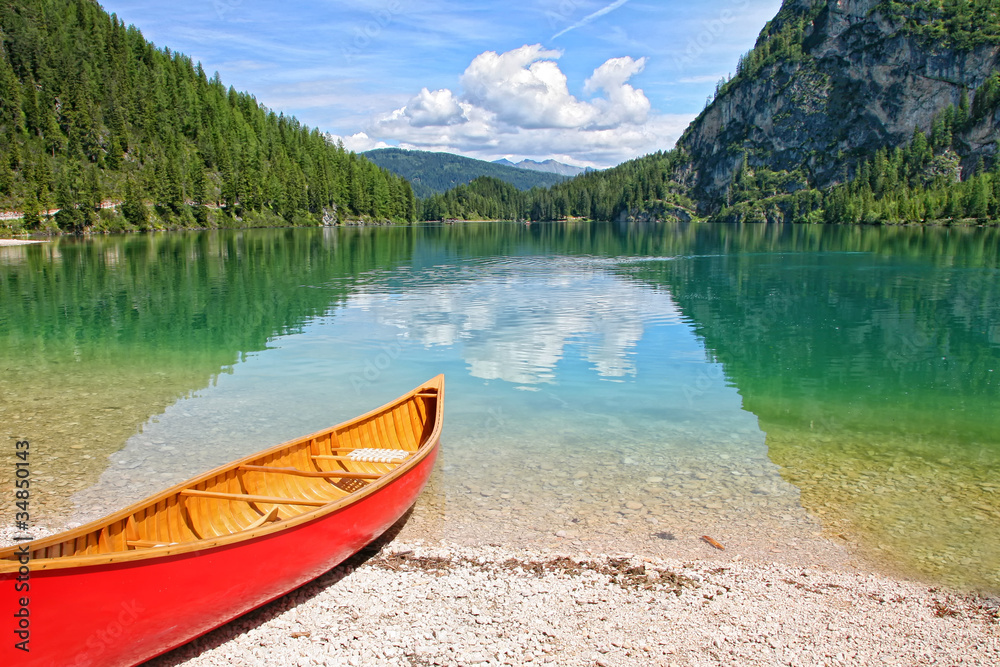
[(875, 375)]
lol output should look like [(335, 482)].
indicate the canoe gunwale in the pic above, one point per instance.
[(425, 448)]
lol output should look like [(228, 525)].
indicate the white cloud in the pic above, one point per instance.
[(437, 108), (525, 88), (624, 103), (358, 143), (519, 103)]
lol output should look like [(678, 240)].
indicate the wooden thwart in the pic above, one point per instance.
[(313, 473), (148, 544), (247, 498)]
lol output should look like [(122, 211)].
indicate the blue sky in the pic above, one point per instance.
[(588, 82)]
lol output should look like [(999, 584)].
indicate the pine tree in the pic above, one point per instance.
[(133, 208), (31, 219)]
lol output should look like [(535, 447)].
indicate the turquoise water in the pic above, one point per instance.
[(797, 393)]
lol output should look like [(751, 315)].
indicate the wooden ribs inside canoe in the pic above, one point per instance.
[(261, 493)]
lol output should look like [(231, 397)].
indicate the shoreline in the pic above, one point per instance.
[(17, 242), (410, 603), (405, 601), (965, 223), (412, 600)]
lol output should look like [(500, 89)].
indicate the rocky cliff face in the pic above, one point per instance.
[(845, 78)]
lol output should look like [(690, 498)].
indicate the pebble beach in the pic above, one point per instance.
[(459, 581), (411, 598), (402, 603)]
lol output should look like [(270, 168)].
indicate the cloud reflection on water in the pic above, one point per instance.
[(518, 321)]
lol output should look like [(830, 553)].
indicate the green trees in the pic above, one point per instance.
[(485, 198), (919, 182), (962, 24), (434, 173), (133, 209), (602, 195), (90, 111)]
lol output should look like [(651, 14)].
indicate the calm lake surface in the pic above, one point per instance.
[(811, 393)]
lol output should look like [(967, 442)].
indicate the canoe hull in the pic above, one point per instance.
[(122, 614)]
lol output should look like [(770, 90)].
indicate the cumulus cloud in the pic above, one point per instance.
[(519, 103), (437, 108), (358, 142), (525, 88), (624, 103)]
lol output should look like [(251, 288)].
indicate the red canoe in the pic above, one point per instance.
[(163, 571)]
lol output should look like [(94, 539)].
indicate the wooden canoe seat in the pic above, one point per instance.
[(378, 455), (369, 455), (312, 473), (247, 498)]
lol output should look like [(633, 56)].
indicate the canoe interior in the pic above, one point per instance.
[(267, 488)]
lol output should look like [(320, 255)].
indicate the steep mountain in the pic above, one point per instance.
[(549, 166), (830, 82), (845, 111), (433, 173), (117, 134)]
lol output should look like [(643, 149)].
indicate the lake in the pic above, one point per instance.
[(808, 394)]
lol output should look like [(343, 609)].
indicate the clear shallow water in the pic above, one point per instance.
[(629, 387)]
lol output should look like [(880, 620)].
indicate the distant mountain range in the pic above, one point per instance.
[(548, 166), (434, 173)]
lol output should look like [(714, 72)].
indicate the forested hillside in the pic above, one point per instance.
[(91, 112), (433, 173), (643, 186)]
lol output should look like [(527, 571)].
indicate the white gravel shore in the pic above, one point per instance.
[(416, 604), (4, 242)]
